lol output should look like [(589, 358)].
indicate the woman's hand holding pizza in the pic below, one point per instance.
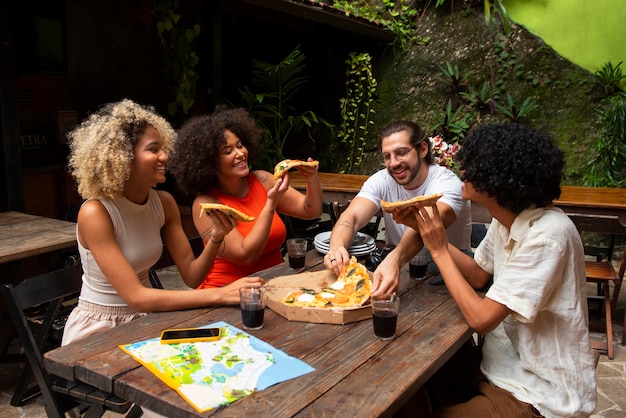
[(307, 171), (277, 191), (221, 224)]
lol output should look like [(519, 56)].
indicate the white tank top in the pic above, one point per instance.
[(138, 233)]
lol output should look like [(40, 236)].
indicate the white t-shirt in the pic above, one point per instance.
[(540, 353), (382, 186)]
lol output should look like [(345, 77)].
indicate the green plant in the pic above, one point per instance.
[(608, 166), (481, 100), (397, 16), (356, 109), (451, 124), (489, 7), (506, 63), (500, 10), (273, 107), (514, 113), (453, 78), (609, 78), (177, 39)]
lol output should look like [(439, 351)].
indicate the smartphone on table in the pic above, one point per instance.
[(189, 335)]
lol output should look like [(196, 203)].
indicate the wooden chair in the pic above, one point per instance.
[(49, 292), (602, 272)]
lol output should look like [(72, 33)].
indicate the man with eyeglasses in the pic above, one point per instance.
[(409, 172)]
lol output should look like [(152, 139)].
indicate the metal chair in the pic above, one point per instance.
[(49, 292)]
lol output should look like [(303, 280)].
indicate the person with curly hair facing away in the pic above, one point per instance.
[(211, 162), (536, 355), (117, 156)]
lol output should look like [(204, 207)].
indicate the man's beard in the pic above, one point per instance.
[(413, 172)]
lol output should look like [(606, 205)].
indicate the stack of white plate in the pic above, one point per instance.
[(362, 244)]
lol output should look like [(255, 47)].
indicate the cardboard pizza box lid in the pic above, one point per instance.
[(280, 287)]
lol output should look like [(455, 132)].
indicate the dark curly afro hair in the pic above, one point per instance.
[(518, 166), (195, 153)]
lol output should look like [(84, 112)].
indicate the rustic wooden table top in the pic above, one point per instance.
[(593, 197), (355, 373), (26, 235)]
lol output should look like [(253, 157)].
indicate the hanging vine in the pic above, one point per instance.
[(356, 109), (177, 39)]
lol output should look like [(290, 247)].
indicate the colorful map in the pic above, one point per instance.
[(216, 373)]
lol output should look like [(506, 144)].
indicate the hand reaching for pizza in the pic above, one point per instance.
[(336, 259), (386, 278)]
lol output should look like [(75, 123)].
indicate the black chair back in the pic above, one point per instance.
[(47, 294)]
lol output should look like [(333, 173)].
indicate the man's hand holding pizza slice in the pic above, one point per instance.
[(402, 209)]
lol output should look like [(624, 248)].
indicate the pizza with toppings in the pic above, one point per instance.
[(426, 200), (286, 165), (351, 290), (237, 214)]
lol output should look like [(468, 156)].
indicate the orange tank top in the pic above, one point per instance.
[(224, 271)]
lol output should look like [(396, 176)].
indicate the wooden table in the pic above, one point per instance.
[(602, 201), (26, 235), (355, 373), (336, 187), (24, 240)]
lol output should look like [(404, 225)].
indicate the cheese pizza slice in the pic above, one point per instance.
[(351, 290), (286, 165), (426, 200), (237, 214)]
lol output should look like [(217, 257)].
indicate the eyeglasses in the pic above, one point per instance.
[(399, 154)]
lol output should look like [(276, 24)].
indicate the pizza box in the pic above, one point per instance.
[(280, 287)]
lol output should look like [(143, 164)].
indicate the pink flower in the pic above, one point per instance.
[(443, 153)]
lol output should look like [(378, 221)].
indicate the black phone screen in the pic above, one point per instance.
[(190, 333)]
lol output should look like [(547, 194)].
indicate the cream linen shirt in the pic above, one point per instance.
[(541, 352)]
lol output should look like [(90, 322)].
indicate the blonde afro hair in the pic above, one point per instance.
[(101, 148)]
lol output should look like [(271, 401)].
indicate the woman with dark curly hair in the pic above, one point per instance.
[(536, 356), (117, 156), (210, 162)]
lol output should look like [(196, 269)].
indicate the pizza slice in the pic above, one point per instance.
[(426, 200), (237, 214), (351, 289), (286, 165)]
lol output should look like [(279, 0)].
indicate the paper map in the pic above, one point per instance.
[(216, 373)]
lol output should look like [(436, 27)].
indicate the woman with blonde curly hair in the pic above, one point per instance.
[(118, 155), (211, 162)]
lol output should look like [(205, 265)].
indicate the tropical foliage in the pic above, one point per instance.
[(607, 168), (178, 40), (272, 102), (356, 109)]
